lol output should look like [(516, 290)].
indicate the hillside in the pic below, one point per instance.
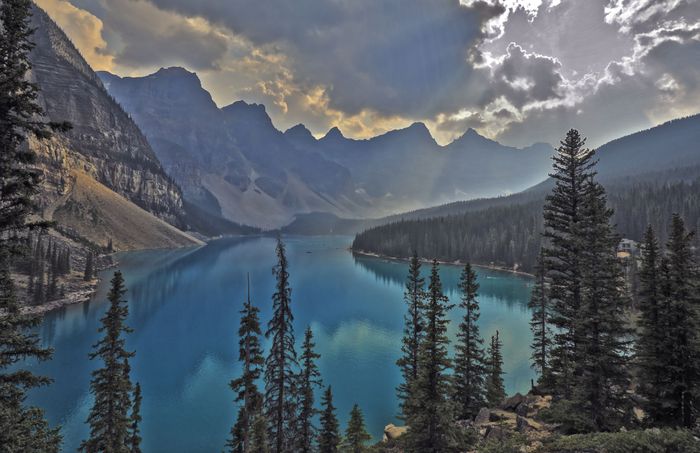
[(97, 213), (104, 151)]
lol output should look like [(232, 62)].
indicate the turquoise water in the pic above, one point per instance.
[(184, 308)]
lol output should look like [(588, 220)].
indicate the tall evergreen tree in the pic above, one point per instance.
[(602, 380), (495, 390), (281, 363), (564, 247), (109, 417), (469, 358), (249, 398), (22, 428), (258, 437), (431, 427), (329, 436), (684, 384), (135, 429), (540, 324), (356, 435), (309, 380), (653, 340), (414, 296)]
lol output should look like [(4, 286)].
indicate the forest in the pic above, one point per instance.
[(510, 236)]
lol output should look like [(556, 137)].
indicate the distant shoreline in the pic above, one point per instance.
[(448, 263)]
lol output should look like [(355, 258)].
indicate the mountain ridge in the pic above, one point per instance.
[(104, 143)]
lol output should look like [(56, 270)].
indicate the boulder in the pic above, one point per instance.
[(523, 409), (484, 416), (495, 432), (498, 415), (524, 424), (510, 404), (392, 432)]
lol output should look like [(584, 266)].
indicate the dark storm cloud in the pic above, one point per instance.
[(524, 77), (392, 56)]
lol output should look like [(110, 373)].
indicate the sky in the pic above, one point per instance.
[(517, 71)]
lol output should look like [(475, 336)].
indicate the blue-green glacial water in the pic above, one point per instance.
[(184, 309)]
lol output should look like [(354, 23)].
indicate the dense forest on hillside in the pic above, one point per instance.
[(510, 235)]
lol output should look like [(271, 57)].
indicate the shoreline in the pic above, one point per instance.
[(84, 292), (448, 263)]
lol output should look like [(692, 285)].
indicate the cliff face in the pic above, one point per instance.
[(104, 143), (231, 162)]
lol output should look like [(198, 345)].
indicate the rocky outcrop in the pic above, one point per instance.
[(393, 432), (104, 142)]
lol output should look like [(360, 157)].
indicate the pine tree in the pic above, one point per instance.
[(22, 428), (495, 390), (564, 248), (135, 430), (356, 435), (258, 437), (469, 359), (412, 335), (109, 417), (601, 383), (431, 427), (89, 267), (653, 341), (250, 353), (683, 388), (329, 436), (310, 378), (540, 324), (281, 363)]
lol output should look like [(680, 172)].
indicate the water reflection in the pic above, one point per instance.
[(184, 308)]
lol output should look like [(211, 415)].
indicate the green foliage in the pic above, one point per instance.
[(248, 396), (281, 364), (22, 428), (310, 379), (567, 414), (111, 387), (356, 435), (540, 324), (495, 390), (135, 431), (653, 341), (469, 364), (413, 332), (431, 427), (601, 366), (329, 436), (511, 443), (683, 357), (647, 441), (565, 244)]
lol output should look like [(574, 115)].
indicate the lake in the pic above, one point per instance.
[(184, 309)]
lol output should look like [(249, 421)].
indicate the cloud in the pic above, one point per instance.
[(519, 71), (84, 29)]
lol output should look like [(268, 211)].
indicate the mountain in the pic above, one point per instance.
[(648, 176), (233, 162), (230, 161), (666, 154), (105, 151)]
